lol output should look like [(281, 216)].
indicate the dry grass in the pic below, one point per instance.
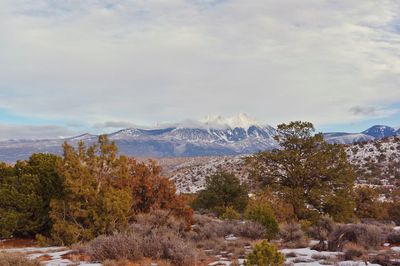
[(17, 243), (16, 259)]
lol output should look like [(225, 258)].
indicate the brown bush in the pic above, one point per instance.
[(209, 228), (155, 235), (250, 230), (293, 236), (212, 229), (368, 236), (320, 230), (116, 247), (165, 244), (353, 251), (16, 259), (151, 190), (158, 218)]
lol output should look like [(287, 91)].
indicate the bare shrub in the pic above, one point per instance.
[(16, 259), (321, 230), (292, 235), (158, 218), (368, 236), (164, 244), (213, 229), (209, 228), (394, 237), (116, 247), (250, 230), (353, 251), (156, 235)]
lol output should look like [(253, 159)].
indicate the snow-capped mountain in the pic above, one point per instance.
[(212, 136), (380, 132), (346, 138)]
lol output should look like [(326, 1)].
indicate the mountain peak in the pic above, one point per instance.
[(380, 131), (242, 120)]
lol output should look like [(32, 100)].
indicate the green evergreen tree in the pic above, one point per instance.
[(223, 190), (262, 213), (92, 202), (20, 202), (26, 190), (368, 204), (265, 254), (307, 172)]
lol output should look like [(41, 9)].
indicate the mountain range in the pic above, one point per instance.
[(212, 136)]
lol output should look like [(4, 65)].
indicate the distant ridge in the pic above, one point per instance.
[(212, 136)]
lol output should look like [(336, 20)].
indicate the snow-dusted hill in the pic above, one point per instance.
[(376, 162), (380, 132)]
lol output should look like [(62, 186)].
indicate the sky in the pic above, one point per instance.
[(75, 66)]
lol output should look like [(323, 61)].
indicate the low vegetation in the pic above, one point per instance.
[(365, 235), (16, 259), (160, 235), (293, 236), (265, 254)]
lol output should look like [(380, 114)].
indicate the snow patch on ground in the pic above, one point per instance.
[(309, 257), (54, 253)]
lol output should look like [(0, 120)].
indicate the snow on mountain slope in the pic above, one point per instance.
[(189, 173), (215, 136), (347, 138), (212, 136), (380, 131)]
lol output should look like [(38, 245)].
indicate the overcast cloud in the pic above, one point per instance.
[(107, 63)]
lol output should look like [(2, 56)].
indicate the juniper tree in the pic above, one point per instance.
[(26, 190), (222, 190), (307, 172), (91, 205), (103, 192)]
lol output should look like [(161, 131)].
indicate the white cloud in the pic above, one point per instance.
[(12, 131), (145, 61)]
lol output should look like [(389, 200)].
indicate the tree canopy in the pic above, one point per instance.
[(87, 192), (223, 190), (26, 190), (307, 172)]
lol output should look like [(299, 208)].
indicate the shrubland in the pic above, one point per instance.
[(121, 209)]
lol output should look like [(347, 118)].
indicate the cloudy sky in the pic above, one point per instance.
[(72, 66)]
